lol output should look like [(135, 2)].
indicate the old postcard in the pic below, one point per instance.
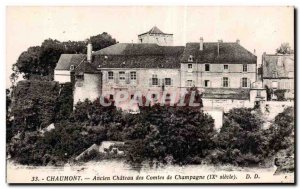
[(150, 94)]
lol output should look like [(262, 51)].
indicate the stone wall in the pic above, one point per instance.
[(281, 83), (87, 88), (62, 76), (160, 39), (143, 82)]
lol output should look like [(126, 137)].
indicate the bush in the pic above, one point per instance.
[(34, 102), (173, 131), (281, 132), (241, 140), (280, 94)]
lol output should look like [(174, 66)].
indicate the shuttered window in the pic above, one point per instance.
[(132, 75), (122, 75), (167, 81), (154, 79), (245, 67), (244, 82), (225, 82), (110, 75)]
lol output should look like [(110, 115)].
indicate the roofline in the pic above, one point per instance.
[(155, 33), (278, 77), (217, 62), (278, 54)]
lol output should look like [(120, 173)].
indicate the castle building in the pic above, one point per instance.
[(223, 71), (278, 73), (155, 35)]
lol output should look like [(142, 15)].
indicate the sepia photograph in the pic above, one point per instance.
[(150, 94)]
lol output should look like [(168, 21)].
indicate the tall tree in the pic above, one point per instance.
[(42, 60), (102, 40), (28, 62), (49, 55), (284, 49)]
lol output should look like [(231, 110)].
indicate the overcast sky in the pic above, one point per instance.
[(260, 28)]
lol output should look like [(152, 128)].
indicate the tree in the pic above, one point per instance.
[(183, 134), (49, 56), (74, 47), (102, 40), (241, 140), (28, 63), (41, 60), (282, 130), (284, 49)]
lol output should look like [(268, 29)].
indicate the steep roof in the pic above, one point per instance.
[(66, 60), (278, 66), (228, 53), (155, 30), (226, 93), (139, 55)]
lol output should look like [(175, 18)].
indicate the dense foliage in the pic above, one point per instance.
[(282, 131), (241, 140), (167, 134), (180, 134), (34, 104), (285, 48)]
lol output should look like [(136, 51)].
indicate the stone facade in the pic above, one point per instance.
[(87, 86), (132, 80), (205, 75), (160, 39)]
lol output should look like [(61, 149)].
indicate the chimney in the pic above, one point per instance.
[(219, 44), (89, 52), (201, 43), (263, 57), (238, 41)]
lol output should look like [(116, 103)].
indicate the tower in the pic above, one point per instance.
[(155, 35)]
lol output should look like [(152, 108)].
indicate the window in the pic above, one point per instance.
[(111, 97), (245, 68), (131, 96), (206, 83), (191, 59), (80, 77), (225, 67), (110, 75), (72, 67), (259, 93), (167, 81), (132, 75), (244, 82), (154, 80), (189, 83), (190, 66), (206, 67), (225, 82), (168, 97), (122, 75)]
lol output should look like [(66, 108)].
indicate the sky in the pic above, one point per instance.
[(259, 28)]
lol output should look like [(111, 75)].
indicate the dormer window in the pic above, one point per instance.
[(72, 67), (191, 58)]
